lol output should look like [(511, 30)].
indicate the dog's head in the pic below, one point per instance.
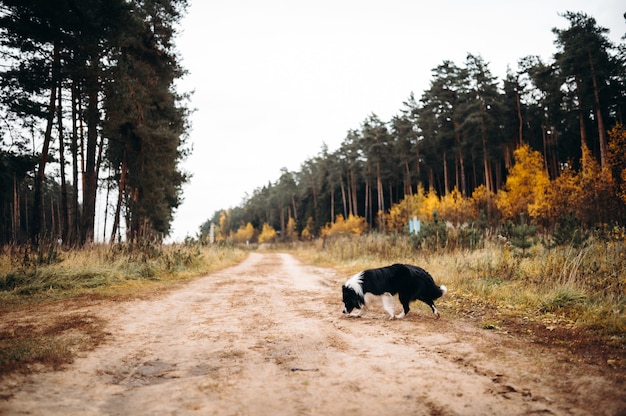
[(351, 300)]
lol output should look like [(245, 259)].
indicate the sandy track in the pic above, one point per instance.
[(267, 338)]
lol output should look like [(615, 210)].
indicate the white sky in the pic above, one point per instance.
[(274, 80)]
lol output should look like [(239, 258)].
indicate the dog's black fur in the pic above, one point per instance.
[(408, 281)]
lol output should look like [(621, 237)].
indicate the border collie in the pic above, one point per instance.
[(409, 282)]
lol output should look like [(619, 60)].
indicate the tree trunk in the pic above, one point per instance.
[(431, 180), (74, 230), (37, 222), (483, 133), (519, 116), (380, 196), (16, 228), (581, 117), (64, 215), (601, 129), (343, 197), (457, 137), (332, 204), (365, 213), (91, 178), (295, 211), (408, 187), (446, 184), (355, 199)]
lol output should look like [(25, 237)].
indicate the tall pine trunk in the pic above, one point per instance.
[(91, 174), (64, 215), (38, 208), (483, 134), (74, 230), (581, 116), (120, 198), (601, 129)]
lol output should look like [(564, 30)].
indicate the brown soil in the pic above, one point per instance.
[(268, 337)]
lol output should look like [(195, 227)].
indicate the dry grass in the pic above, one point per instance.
[(102, 270), (48, 344), (43, 322), (558, 288), (582, 288)]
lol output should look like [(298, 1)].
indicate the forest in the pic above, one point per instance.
[(91, 120), (93, 133), (544, 147)]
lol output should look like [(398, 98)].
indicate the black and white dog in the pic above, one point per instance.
[(409, 282)]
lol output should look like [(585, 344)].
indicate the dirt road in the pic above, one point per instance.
[(267, 337)]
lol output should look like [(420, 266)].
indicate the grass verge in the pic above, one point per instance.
[(42, 299), (558, 296)]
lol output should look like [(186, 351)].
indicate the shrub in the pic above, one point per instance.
[(567, 231), (432, 235), (354, 225), (244, 234), (268, 234)]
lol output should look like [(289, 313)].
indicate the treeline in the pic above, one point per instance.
[(457, 143), (89, 112)]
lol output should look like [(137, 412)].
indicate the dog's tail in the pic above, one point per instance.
[(443, 289)]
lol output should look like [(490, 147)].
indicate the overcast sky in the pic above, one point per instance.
[(274, 80)]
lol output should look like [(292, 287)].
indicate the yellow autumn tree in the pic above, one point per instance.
[(244, 234), (526, 185), (597, 187), (617, 158), (400, 213), (291, 234), (430, 205), (353, 225), (456, 209), (564, 196), (268, 234), (309, 230), (483, 200), (223, 226)]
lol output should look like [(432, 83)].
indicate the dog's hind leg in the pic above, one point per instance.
[(405, 307), (435, 311), (430, 303), (389, 304)]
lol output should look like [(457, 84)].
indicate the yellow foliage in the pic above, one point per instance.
[(526, 185), (244, 234), (564, 195), (456, 209), (290, 233), (268, 234), (409, 207), (429, 205), (353, 225), (482, 200), (219, 235), (308, 232), (398, 216), (617, 157), (452, 207), (597, 188), (223, 226)]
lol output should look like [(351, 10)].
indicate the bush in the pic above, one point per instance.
[(268, 234), (568, 232), (354, 225), (432, 235)]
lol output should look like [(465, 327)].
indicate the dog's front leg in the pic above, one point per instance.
[(389, 304)]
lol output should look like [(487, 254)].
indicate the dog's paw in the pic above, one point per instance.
[(400, 315)]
